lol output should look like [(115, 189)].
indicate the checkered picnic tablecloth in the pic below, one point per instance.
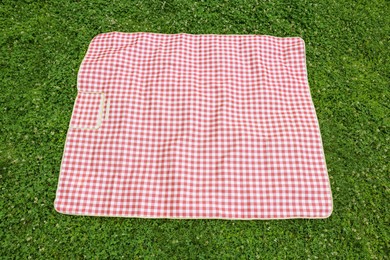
[(194, 126)]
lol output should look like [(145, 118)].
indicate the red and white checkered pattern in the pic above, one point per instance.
[(194, 126)]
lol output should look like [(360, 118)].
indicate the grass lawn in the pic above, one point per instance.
[(42, 44)]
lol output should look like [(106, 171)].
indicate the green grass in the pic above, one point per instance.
[(42, 44)]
